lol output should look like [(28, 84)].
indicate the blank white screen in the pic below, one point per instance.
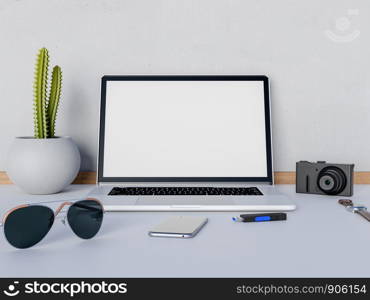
[(185, 129)]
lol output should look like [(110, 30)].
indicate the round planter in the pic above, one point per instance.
[(43, 166)]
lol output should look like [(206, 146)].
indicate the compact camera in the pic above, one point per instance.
[(323, 178)]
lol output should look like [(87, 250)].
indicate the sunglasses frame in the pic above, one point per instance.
[(56, 211)]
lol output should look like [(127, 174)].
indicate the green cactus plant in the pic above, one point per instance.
[(55, 91), (46, 107)]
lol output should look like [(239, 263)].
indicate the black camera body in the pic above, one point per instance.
[(324, 178)]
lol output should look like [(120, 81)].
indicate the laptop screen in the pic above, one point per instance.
[(185, 128)]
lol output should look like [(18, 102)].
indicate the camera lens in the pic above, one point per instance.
[(331, 180)]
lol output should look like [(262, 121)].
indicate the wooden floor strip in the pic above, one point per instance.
[(279, 177)]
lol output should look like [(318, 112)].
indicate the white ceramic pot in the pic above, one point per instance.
[(43, 166)]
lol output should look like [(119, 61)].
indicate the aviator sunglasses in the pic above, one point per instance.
[(26, 225)]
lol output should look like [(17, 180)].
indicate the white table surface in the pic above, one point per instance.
[(319, 239)]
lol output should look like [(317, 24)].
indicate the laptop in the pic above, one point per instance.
[(186, 143)]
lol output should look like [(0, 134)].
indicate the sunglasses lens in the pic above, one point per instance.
[(26, 226), (85, 218)]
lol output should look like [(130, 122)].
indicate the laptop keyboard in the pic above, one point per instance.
[(180, 191)]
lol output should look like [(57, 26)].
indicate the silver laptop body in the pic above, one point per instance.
[(173, 134)]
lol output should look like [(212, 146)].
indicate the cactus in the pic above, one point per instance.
[(55, 91), (41, 77), (45, 108)]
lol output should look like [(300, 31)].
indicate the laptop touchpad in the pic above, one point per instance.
[(184, 200)]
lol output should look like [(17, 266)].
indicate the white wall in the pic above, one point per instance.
[(320, 87)]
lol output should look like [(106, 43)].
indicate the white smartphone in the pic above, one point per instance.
[(179, 227)]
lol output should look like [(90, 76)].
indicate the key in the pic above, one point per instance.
[(361, 210)]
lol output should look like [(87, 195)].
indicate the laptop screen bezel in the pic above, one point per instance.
[(264, 79)]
